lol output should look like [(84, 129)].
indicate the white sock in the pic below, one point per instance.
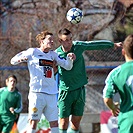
[(30, 130), (55, 130)]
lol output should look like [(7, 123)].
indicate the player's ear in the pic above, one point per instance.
[(60, 40), (6, 81), (123, 52)]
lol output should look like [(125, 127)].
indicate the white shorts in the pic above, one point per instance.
[(42, 103)]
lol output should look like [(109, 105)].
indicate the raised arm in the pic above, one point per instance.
[(18, 59), (95, 45), (21, 57), (66, 63)]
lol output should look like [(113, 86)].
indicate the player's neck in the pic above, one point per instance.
[(128, 59), (45, 50), (65, 49), (11, 88)]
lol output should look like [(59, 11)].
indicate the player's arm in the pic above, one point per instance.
[(118, 45), (19, 107), (18, 58), (112, 106), (108, 92), (21, 57), (65, 63), (95, 45)]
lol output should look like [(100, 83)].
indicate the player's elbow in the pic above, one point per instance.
[(69, 67), (13, 62)]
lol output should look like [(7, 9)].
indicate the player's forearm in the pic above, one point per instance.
[(109, 103), (19, 108), (68, 64), (112, 106), (96, 45), (18, 59)]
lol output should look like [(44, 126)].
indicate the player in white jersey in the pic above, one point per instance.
[(43, 88)]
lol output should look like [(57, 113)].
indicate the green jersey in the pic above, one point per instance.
[(76, 77), (120, 80), (9, 99)]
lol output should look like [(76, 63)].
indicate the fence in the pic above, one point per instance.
[(96, 76)]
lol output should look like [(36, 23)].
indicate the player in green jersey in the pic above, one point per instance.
[(71, 85), (10, 104), (120, 80)]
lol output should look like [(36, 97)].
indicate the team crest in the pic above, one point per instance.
[(34, 109)]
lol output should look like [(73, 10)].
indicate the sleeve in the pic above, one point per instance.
[(110, 87), (19, 107), (95, 45), (24, 55), (65, 63)]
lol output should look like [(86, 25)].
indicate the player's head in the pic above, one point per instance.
[(65, 38), (45, 39), (128, 46), (11, 81)]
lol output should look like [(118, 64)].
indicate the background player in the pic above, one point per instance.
[(120, 80), (10, 104)]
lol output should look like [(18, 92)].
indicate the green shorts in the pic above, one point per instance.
[(125, 122), (6, 125), (71, 102)]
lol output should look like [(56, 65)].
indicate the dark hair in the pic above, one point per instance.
[(128, 46), (42, 35), (64, 31), (13, 76)]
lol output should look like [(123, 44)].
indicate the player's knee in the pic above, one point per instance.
[(64, 123), (75, 124), (33, 124)]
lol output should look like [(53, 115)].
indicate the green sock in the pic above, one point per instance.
[(62, 131), (73, 131)]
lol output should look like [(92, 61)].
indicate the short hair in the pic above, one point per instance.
[(64, 31), (12, 76), (128, 46), (42, 35)]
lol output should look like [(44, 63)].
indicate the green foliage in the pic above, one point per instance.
[(43, 123), (124, 27)]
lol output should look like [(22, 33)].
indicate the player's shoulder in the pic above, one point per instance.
[(31, 49), (78, 43), (3, 89), (18, 93), (58, 49), (115, 71), (52, 52)]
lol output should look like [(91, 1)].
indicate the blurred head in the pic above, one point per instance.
[(11, 81), (65, 38), (45, 40), (128, 47)]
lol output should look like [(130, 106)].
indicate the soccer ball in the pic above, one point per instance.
[(74, 15)]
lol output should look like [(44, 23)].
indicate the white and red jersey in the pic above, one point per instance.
[(40, 67)]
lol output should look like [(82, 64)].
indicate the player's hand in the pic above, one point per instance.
[(11, 110), (72, 56), (115, 112), (118, 45)]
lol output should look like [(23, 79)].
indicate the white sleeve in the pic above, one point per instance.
[(65, 63), (22, 55)]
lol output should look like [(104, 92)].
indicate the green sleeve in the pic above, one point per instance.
[(19, 107), (95, 45)]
